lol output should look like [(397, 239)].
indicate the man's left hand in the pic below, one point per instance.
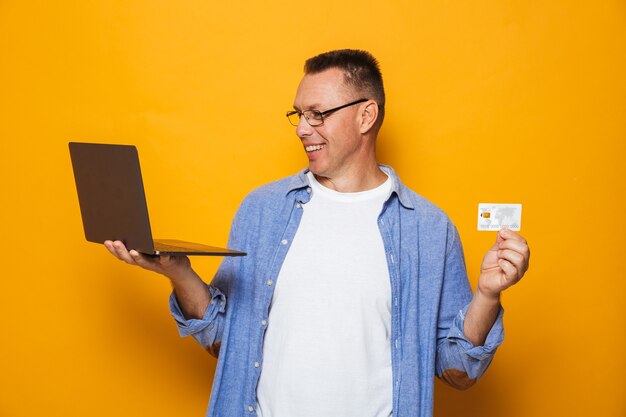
[(505, 263)]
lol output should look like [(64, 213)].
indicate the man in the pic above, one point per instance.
[(354, 292)]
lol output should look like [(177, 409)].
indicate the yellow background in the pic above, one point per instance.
[(507, 101)]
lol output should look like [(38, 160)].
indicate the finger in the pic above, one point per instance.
[(499, 239), (122, 252), (515, 258), (510, 272), (143, 260), (515, 245), (510, 234), (518, 261), (109, 245)]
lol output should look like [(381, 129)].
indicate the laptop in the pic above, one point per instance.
[(113, 202)]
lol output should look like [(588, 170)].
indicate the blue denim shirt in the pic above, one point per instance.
[(430, 294)]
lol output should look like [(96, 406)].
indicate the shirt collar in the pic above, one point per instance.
[(299, 181)]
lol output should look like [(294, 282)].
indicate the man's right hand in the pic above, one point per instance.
[(192, 294), (173, 267)]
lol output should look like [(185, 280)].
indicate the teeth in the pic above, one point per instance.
[(312, 148)]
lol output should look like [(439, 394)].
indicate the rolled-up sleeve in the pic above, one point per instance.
[(206, 329), (454, 350), (457, 352)]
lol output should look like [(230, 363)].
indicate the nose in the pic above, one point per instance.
[(303, 129)]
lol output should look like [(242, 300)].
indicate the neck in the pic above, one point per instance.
[(354, 180)]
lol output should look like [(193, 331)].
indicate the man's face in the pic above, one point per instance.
[(335, 148)]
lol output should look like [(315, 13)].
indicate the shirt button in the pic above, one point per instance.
[(250, 408), (308, 190), (270, 282), (264, 322), (284, 241), (298, 205), (257, 364)]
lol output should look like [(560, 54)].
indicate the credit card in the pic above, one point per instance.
[(493, 216)]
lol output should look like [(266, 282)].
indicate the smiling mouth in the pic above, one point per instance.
[(313, 148)]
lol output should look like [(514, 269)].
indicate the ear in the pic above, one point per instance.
[(369, 115)]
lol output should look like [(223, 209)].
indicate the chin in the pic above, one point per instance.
[(317, 171), (320, 168)]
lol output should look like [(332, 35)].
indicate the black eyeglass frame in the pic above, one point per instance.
[(321, 114)]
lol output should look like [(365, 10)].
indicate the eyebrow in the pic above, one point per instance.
[(315, 106)]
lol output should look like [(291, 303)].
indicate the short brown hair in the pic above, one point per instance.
[(360, 71)]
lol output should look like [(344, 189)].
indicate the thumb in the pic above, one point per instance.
[(144, 261), (500, 237)]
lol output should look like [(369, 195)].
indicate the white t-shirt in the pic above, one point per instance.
[(327, 350)]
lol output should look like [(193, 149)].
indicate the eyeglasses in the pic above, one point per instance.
[(316, 117)]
